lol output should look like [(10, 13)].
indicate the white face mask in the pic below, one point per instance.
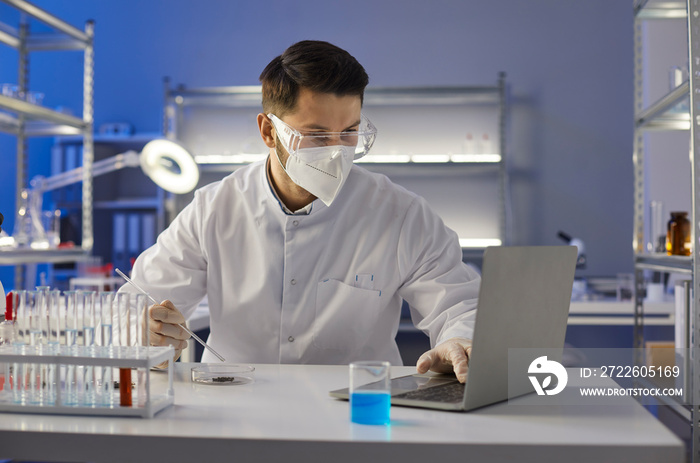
[(322, 170)]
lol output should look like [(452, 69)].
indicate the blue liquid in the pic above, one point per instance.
[(369, 407)]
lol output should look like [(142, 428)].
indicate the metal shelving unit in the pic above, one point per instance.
[(181, 97), (24, 119), (658, 117)]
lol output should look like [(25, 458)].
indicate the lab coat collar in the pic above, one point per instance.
[(315, 206)]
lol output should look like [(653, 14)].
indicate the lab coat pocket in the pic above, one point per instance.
[(345, 315)]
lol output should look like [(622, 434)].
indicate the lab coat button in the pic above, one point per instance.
[(295, 223), (293, 281), (290, 339)]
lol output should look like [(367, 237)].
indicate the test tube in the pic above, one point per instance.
[(106, 300), (42, 303), (140, 328), (21, 338), (124, 341), (9, 371), (71, 343), (89, 321), (34, 370), (41, 330), (139, 315), (52, 303), (54, 311), (46, 387)]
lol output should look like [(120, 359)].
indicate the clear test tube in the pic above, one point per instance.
[(124, 340), (71, 343), (53, 344), (19, 346), (34, 370), (139, 314), (42, 302), (54, 303), (17, 313), (138, 317), (89, 321), (107, 389)]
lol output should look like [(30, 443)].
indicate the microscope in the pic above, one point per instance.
[(581, 256), (579, 290)]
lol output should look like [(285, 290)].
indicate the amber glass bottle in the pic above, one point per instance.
[(678, 235)]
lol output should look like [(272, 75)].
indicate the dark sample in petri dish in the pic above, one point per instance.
[(223, 379)]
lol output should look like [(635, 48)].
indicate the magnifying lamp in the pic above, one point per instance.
[(167, 163)]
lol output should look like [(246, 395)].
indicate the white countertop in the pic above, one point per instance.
[(287, 415)]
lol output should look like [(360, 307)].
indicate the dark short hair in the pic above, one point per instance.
[(314, 65)]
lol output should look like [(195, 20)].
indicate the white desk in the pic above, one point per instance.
[(287, 416)]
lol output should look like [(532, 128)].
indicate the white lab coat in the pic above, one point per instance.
[(322, 288)]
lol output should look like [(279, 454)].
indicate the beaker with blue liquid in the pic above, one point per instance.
[(370, 392)]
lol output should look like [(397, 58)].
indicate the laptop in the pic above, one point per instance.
[(523, 303)]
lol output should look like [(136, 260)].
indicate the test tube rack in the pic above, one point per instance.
[(142, 359)]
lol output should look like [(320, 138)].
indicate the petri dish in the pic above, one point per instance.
[(223, 375)]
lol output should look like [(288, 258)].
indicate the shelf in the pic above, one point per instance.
[(250, 96), (232, 96), (40, 42), (38, 256), (36, 112), (217, 162), (657, 115), (24, 119), (424, 96), (661, 10), (185, 107), (10, 124), (665, 263), (133, 203), (65, 37)]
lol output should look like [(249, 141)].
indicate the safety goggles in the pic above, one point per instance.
[(294, 140)]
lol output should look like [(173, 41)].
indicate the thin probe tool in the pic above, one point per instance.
[(196, 338)]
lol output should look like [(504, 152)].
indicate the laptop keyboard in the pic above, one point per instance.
[(447, 393)]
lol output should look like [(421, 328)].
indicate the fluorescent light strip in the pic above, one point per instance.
[(485, 158), (431, 158), (242, 158), (386, 158), (479, 242), (245, 158), (435, 158)]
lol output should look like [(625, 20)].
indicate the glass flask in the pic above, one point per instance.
[(28, 230)]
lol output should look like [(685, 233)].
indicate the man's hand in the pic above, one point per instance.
[(163, 325), (450, 355)]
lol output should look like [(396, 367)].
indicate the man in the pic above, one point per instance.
[(305, 257)]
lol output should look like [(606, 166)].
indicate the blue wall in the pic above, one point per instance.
[(569, 65)]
